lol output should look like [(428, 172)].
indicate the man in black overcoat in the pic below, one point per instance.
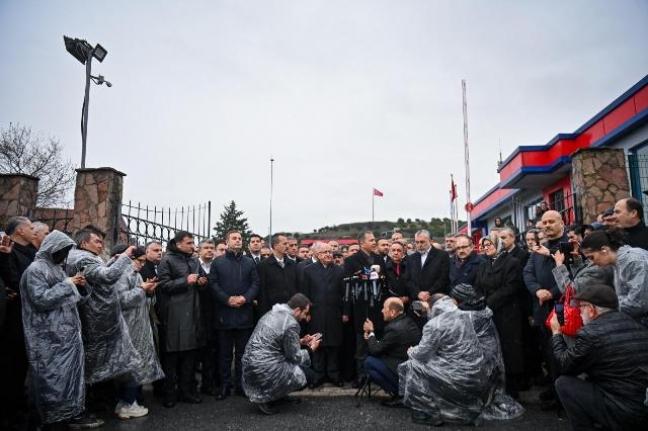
[(277, 276)]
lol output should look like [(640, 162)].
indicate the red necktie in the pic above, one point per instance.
[(398, 269)]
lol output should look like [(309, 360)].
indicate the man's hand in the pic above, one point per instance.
[(233, 302), (559, 257), (555, 325), (306, 339), (576, 245), (130, 250), (543, 296), (345, 319), (78, 280), (368, 326), (424, 296), (149, 286), (409, 351), (202, 281), (192, 278), (366, 335), (541, 250), (240, 300), (11, 295), (314, 344)]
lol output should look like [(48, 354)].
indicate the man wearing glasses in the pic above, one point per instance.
[(611, 350), (464, 263)]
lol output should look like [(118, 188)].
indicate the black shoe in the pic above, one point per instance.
[(209, 390), (422, 418), (240, 392), (84, 422), (224, 393), (551, 405), (289, 400), (394, 402), (268, 409), (190, 399), (338, 383), (316, 384), (548, 395)]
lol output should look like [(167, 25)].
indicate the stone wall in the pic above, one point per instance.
[(97, 201), (18, 195), (599, 180)]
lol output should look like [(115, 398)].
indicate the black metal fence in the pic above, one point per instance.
[(143, 224), (638, 168)]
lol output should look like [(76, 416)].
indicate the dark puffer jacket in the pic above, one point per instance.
[(179, 308), (612, 351), (400, 334), (234, 275)]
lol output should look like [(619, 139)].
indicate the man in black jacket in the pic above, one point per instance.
[(15, 259), (629, 215), (611, 350), (390, 351), (323, 284), (427, 268), (179, 278), (464, 263), (277, 276), (234, 281), (359, 264)]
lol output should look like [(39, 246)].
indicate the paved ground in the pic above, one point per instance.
[(325, 408)]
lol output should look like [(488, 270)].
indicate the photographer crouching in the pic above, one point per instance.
[(274, 363)]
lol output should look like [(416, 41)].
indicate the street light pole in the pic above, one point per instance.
[(271, 190), (86, 104)]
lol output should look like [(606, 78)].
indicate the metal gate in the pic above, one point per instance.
[(638, 167), (143, 224)]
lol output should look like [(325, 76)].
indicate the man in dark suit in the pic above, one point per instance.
[(301, 266), (427, 269), (277, 276), (464, 263), (359, 264), (323, 284)]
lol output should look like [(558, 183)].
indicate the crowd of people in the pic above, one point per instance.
[(451, 331)]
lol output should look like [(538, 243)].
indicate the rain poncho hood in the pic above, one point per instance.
[(447, 373), (631, 282), (53, 334), (135, 307), (108, 347), (272, 357)]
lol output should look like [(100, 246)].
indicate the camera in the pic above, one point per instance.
[(418, 307), (566, 247)]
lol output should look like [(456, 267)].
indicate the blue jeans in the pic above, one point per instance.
[(382, 375)]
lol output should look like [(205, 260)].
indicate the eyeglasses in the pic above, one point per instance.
[(464, 247), (487, 245)]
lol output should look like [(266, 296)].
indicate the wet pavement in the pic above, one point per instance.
[(324, 408)]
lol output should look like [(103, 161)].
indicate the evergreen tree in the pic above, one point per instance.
[(232, 219)]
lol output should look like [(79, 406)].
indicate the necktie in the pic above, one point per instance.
[(398, 269), (281, 263), (256, 259)]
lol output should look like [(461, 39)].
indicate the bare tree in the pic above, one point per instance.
[(24, 152)]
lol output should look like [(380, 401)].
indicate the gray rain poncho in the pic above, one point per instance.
[(53, 334), (447, 374), (272, 357), (631, 282), (497, 404), (135, 307), (108, 347)]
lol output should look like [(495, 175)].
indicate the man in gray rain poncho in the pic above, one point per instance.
[(109, 351), (53, 334), (446, 375), (497, 404), (274, 364)]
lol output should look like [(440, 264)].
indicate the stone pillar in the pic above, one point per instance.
[(18, 196), (97, 201), (599, 180)]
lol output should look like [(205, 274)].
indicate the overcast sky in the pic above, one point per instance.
[(345, 95)]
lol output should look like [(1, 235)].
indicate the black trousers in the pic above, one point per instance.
[(13, 372), (586, 405), (326, 363), (208, 357), (361, 354), (180, 367), (231, 346)]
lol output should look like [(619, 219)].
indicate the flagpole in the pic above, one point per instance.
[(373, 198), (467, 159), (271, 190)]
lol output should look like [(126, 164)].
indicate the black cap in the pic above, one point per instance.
[(600, 295), (139, 251)]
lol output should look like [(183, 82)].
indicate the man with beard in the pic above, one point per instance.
[(395, 270), (180, 277), (254, 247), (323, 284), (16, 255), (611, 349), (464, 263), (234, 282), (365, 306), (383, 249), (427, 269), (208, 355)]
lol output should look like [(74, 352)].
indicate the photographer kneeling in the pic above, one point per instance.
[(386, 355), (274, 364)]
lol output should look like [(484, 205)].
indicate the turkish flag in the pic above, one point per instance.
[(377, 193), (453, 191)]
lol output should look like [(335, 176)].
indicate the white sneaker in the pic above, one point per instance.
[(131, 411), (118, 407)]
